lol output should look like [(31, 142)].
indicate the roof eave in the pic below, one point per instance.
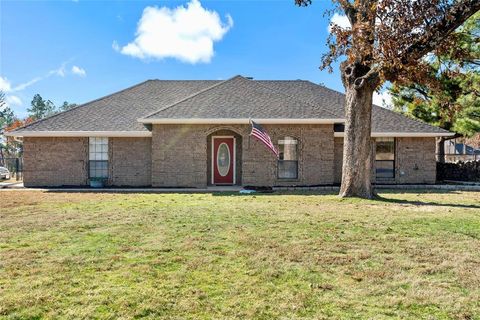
[(238, 121), (403, 134), (113, 134)]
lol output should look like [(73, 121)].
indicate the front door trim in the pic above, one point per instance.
[(234, 159)]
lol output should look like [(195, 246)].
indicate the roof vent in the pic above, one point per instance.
[(249, 78)]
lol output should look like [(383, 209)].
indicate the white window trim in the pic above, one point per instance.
[(289, 142)]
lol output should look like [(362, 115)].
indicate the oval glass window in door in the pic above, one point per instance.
[(223, 159)]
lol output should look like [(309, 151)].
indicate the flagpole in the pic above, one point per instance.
[(250, 133)]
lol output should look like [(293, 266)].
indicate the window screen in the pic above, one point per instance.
[(385, 157), (288, 158), (98, 156)]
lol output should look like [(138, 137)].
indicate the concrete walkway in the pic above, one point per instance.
[(14, 184), (450, 187)]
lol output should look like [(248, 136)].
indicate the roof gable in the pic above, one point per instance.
[(119, 111), (241, 98)]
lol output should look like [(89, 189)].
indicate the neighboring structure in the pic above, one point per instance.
[(196, 133), (462, 149)]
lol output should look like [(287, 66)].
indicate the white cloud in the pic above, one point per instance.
[(383, 99), (5, 85), (115, 46), (339, 20), (79, 71), (13, 101), (186, 33), (24, 85)]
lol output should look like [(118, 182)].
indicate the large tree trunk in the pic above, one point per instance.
[(441, 149), (357, 143)]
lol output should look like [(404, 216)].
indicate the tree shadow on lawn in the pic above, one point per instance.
[(377, 198), (425, 203)]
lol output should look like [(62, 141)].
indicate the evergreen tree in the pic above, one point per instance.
[(450, 95), (387, 40), (67, 106), (40, 108)]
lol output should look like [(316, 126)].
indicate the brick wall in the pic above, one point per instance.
[(415, 160), (414, 163), (338, 160), (315, 156), (180, 155), (55, 161), (130, 162), (177, 156)]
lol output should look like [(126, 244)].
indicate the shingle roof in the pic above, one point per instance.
[(241, 98), (120, 111), (383, 120), (234, 98)]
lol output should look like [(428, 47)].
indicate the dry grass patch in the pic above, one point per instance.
[(191, 256)]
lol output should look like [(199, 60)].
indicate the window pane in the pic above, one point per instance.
[(287, 169), (385, 169), (98, 156), (98, 169), (385, 149), (287, 148)]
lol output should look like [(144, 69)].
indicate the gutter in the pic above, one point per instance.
[(113, 134), (402, 134), (238, 121)]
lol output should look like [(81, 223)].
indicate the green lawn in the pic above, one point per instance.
[(229, 256)]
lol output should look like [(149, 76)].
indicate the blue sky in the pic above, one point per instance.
[(81, 50)]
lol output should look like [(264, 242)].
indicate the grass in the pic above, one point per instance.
[(227, 256)]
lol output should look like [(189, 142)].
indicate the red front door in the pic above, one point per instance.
[(223, 160)]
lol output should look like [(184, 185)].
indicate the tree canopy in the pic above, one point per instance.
[(40, 108), (390, 37), (386, 41), (6, 114), (450, 98)]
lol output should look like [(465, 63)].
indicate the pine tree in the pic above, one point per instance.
[(450, 96)]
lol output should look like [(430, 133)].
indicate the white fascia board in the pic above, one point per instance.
[(113, 134), (240, 121), (402, 134)]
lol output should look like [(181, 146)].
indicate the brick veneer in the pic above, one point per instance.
[(180, 155), (338, 159), (130, 162), (55, 161), (414, 163)]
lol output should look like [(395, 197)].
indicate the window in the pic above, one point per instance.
[(385, 158), (288, 158), (98, 156)]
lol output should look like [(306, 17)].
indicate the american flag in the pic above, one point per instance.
[(260, 133)]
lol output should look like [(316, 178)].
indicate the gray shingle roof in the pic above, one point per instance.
[(120, 111), (234, 98), (240, 98), (383, 120)]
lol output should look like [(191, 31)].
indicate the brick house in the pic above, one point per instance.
[(196, 133)]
